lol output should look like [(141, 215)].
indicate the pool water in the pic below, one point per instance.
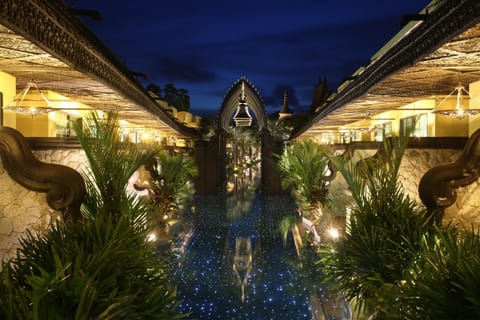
[(234, 264)]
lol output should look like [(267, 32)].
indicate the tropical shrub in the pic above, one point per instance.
[(111, 164), (243, 157), (305, 171), (103, 267), (444, 281), (304, 167), (99, 269), (171, 186), (383, 237)]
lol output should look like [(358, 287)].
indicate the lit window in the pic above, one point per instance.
[(419, 121)]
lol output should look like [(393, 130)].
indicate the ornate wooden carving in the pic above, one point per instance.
[(64, 186), (437, 186), (230, 103)]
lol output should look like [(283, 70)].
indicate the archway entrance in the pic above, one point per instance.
[(242, 119), (242, 143)]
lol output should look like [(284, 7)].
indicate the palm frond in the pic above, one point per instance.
[(444, 279), (97, 269), (172, 177), (383, 237), (304, 166), (111, 164)]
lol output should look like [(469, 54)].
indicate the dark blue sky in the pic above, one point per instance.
[(205, 46)]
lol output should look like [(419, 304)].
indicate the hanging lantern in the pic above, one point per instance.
[(242, 117)]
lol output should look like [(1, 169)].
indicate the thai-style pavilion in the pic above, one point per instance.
[(54, 71)]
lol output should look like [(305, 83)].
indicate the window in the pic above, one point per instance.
[(388, 129), (378, 133), (419, 121)]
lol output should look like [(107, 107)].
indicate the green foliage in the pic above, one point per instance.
[(172, 176), (177, 98), (304, 166), (96, 270), (392, 262), (112, 163), (445, 281), (280, 131), (154, 88), (208, 126), (287, 224), (383, 237), (101, 268)]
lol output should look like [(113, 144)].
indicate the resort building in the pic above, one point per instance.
[(418, 73), (425, 79), (250, 247), (54, 72)]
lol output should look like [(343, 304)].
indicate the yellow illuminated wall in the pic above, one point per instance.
[(451, 127), (437, 125), (7, 87), (33, 126), (50, 124), (474, 124)]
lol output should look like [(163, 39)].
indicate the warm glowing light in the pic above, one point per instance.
[(123, 123), (333, 233), (152, 237), (460, 111)]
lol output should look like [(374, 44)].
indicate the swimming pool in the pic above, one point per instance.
[(233, 264)]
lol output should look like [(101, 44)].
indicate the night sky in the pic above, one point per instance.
[(205, 46)]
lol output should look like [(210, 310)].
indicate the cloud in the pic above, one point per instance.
[(177, 70), (205, 47)]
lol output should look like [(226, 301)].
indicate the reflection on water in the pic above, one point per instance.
[(236, 265), (242, 262)]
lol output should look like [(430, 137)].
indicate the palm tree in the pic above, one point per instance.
[(170, 93), (155, 88), (182, 101), (304, 167)]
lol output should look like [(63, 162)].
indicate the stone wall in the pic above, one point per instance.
[(466, 210), (73, 158), (22, 209), (415, 163)]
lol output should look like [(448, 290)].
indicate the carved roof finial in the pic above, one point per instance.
[(285, 108)]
